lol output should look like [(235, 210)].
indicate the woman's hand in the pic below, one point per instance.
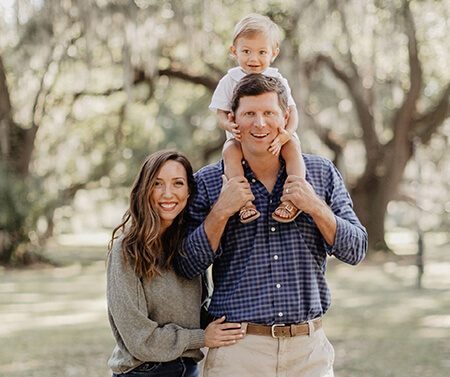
[(219, 334)]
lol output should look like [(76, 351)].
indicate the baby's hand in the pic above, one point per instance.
[(234, 128), (281, 139)]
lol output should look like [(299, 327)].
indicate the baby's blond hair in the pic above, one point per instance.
[(255, 23)]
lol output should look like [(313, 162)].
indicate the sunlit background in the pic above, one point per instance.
[(89, 88)]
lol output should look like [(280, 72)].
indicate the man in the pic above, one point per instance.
[(270, 276)]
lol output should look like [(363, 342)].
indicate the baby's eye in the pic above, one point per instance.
[(263, 52), (246, 51)]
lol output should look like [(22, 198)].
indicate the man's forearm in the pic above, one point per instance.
[(326, 221), (214, 226)]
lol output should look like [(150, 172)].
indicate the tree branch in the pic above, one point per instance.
[(403, 118), (425, 126), (366, 121), (202, 80)]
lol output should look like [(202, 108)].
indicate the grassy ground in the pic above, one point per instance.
[(53, 321)]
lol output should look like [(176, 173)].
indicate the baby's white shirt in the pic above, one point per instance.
[(222, 96), (221, 99)]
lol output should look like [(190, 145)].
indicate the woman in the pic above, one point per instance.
[(155, 313)]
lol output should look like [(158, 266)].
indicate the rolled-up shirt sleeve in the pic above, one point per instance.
[(350, 245)]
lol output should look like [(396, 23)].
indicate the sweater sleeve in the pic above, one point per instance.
[(142, 337)]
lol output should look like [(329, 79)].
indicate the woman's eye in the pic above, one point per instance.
[(179, 183), (157, 184)]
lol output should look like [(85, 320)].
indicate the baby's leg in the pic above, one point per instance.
[(232, 159), (292, 154)]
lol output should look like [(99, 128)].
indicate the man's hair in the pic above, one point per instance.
[(254, 24), (256, 84)]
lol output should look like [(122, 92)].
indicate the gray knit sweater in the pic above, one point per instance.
[(151, 321)]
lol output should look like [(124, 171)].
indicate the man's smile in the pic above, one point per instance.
[(259, 136)]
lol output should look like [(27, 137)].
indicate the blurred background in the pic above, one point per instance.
[(89, 88)]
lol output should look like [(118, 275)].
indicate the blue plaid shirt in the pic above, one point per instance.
[(268, 272)]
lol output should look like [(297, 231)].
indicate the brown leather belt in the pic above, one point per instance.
[(281, 330)]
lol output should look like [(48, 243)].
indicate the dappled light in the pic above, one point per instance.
[(376, 307), (88, 89)]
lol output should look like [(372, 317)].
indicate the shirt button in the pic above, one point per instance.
[(278, 286), (275, 257), (270, 201), (273, 229), (243, 162), (253, 180), (280, 314)]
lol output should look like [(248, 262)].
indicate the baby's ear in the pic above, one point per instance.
[(233, 50), (275, 54)]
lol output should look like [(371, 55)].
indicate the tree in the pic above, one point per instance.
[(386, 126), (90, 88), (385, 160)]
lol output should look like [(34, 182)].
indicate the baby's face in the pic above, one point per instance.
[(254, 54)]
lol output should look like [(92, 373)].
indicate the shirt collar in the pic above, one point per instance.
[(237, 73), (248, 173)]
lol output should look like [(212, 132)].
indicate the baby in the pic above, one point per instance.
[(255, 46)]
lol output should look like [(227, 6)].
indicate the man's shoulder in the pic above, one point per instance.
[(318, 166), (210, 171), (317, 160)]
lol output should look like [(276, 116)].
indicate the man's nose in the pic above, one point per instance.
[(259, 120)]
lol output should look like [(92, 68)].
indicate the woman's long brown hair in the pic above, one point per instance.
[(141, 223)]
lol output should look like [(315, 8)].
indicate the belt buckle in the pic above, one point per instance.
[(272, 330)]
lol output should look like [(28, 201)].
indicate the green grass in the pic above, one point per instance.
[(53, 320)]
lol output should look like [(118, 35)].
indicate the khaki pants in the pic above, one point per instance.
[(259, 355)]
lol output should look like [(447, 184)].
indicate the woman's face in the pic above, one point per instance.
[(170, 192)]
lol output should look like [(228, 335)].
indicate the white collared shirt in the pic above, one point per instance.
[(221, 99)]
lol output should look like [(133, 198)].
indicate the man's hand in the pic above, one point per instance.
[(301, 194), (281, 139), (234, 194)]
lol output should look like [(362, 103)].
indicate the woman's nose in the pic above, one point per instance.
[(167, 192)]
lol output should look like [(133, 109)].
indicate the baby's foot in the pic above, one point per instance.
[(286, 212), (248, 213)]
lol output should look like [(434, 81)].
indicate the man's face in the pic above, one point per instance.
[(258, 118)]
